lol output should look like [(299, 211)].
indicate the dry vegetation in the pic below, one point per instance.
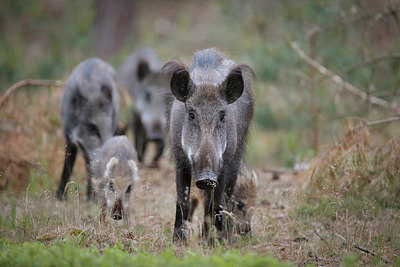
[(348, 198)]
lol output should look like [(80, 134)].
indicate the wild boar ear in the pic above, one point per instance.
[(107, 92), (234, 85), (143, 70), (77, 98), (180, 80), (235, 82)]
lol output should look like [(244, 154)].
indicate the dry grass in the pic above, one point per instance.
[(290, 222), (355, 166)]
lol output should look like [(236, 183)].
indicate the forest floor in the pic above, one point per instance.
[(285, 224)]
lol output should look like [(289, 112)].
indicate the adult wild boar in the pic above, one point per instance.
[(208, 125), (114, 170), (89, 108), (243, 198), (140, 75)]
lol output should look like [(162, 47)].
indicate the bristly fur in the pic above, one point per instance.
[(246, 186), (207, 59)]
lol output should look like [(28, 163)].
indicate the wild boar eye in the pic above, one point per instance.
[(129, 189), (191, 115), (222, 117), (111, 186)]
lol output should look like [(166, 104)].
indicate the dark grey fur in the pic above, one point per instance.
[(114, 169), (140, 75), (208, 125), (89, 108)]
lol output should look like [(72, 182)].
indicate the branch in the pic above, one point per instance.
[(337, 79), (371, 62), (22, 83), (391, 119), (346, 21), (370, 252), (323, 239)]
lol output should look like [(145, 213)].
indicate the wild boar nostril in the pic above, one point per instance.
[(206, 181), (117, 215)]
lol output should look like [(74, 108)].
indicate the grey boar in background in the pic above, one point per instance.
[(243, 198), (140, 75), (89, 108), (114, 170), (208, 126)]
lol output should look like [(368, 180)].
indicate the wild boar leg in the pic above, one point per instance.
[(213, 206), (69, 160), (90, 189), (140, 137), (183, 179), (160, 148)]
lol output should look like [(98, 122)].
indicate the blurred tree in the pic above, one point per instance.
[(113, 21)]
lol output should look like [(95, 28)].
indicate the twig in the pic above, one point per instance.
[(370, 252), (22, 83), (391, 119), (395, 198), (323, 239), (337, 79), (346, 21), (377, 122), (371, 62), (341, 237), (364, 250)]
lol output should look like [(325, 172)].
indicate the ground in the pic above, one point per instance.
[(284, 225)]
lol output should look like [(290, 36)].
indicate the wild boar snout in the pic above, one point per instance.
[(206, 165), (116, 213)]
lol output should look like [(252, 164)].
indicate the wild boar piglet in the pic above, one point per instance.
[(114, 172)]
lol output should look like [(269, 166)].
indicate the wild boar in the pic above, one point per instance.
[(243, 198), (89, 108), (114, 169), (208, 122), (140, 75)]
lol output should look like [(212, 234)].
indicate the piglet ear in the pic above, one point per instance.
[(133, 167), (111, 164), (180, 80), (96, 184), (254, 178), (143, 70)]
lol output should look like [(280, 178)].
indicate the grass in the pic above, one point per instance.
[(68, 252)]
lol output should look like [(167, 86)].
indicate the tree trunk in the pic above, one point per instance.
[(113, 22)]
